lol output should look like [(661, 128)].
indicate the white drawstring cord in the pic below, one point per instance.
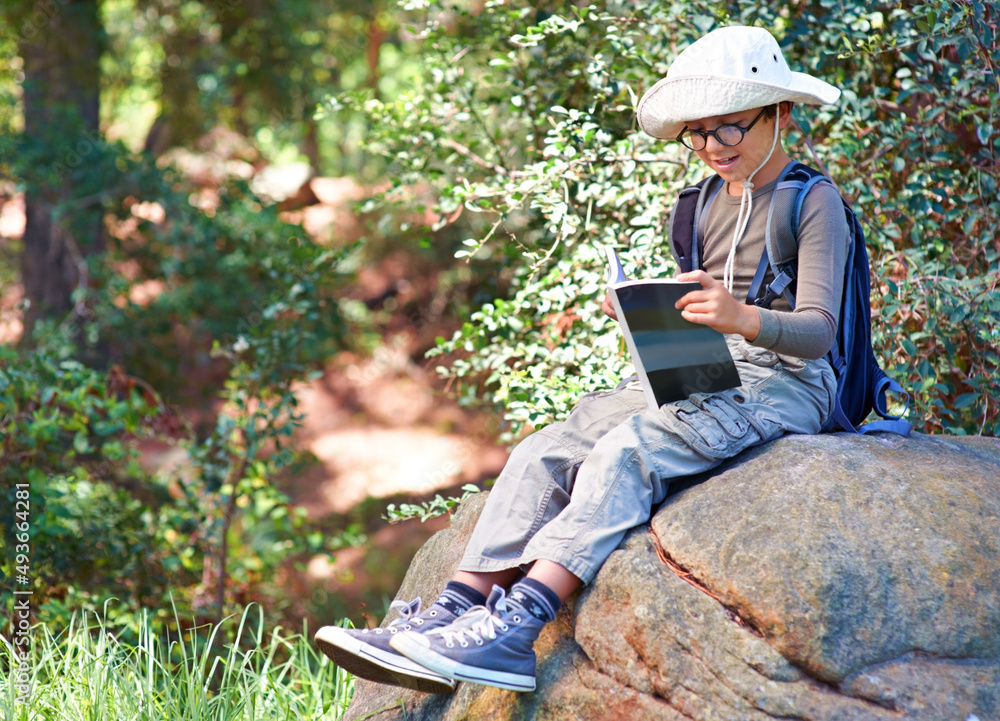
[(746, 201)]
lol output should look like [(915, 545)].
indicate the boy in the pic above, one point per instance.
[(570, 492)]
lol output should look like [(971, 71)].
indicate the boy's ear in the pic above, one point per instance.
[(784, 113)]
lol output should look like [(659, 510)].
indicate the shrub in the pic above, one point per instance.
[(247, 304), (524, 120)]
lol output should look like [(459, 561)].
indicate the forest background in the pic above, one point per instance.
[(164, 286)]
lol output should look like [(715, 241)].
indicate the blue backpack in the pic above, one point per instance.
[(861, 383)]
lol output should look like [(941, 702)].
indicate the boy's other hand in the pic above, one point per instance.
[(608, 307), (716, 307)]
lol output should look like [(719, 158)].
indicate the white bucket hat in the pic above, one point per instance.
[(729, 70)]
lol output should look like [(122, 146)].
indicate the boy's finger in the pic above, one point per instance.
[(698, 276), (695, 317), (695, 296), (688, 276), (608, 307)]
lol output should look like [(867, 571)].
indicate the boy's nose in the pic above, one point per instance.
[(712, 143)]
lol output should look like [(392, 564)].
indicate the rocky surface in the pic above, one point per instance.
[(834, 578)]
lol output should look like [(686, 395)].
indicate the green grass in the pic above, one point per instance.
[(87, 673)]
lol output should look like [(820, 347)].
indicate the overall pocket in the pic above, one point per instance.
[(797, 393), (713, 428), (758, 356)]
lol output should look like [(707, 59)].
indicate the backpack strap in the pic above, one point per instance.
[(889, 423), (684, 234), (781, 247), (806, 187), (680, 232), (712, 188), (892, 424)]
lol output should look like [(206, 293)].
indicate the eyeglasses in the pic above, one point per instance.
[(728, 135)]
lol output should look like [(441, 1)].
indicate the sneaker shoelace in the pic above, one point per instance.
[(476, 624), (407, 617), (479, 622)]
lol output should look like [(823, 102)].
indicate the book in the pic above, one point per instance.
[(673, 357)]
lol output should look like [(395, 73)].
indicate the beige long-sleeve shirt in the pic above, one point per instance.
[(809, 330)]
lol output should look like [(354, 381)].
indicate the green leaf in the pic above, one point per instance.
[(959, 314), (80, 443), (965, 400)]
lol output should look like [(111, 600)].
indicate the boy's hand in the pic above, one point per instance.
[(608, 307), (716, 307)]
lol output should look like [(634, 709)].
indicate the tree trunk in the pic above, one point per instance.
[(310, 142), (60, 43)]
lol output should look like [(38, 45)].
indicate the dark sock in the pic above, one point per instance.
[(459, 598), (536, 598)]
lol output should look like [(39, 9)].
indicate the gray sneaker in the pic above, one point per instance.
[(366, 653), (488, 644)]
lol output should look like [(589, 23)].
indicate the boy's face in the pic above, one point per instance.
[(735, 163)]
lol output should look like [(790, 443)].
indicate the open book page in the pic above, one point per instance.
[(673, 357)]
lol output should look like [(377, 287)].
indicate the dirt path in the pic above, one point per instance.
[(379, 430)]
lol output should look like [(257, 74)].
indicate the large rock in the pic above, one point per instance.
[(830, 577)]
